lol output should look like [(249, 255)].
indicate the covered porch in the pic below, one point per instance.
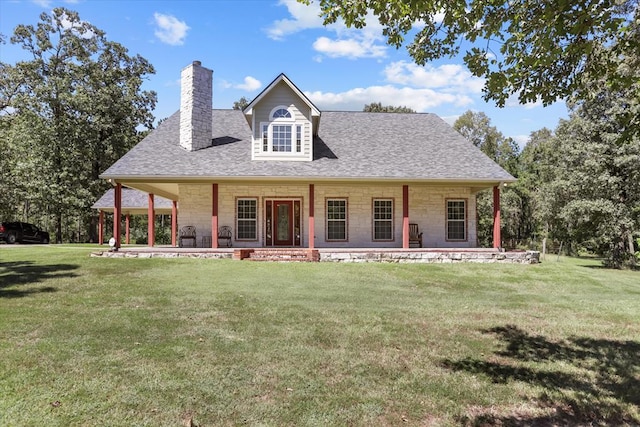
[(306, 195), (133, 202)]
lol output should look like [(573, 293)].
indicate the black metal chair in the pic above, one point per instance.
[(188, 232), (224, 233)]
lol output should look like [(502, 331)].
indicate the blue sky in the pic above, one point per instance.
[(248, 43)]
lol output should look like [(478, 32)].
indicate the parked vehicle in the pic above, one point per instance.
[(22, 232)]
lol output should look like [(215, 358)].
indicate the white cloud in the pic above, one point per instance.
[(420, 100), (42, 3), (304, 17), (169, 29), (250, 84), (451, 119), (349, 48), (350, 43), (450, 77), (513, 101)]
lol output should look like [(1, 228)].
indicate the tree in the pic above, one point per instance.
[(240, 103), (81, 97), (592, 193), (477, 128), (377, 107), (545, 49)]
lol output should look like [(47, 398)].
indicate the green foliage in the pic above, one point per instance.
[(592, 194), (515, 200), (377, 107), (536, 49), (240, 104), (75, 106)]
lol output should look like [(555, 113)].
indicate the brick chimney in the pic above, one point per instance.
[(196, 96)]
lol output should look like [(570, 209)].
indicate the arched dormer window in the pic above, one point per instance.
[(281, 134), (281, 113)]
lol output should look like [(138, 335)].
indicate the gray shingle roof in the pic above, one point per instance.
[(349, 145), (131, 199)]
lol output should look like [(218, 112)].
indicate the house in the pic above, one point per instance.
[(283, 173)]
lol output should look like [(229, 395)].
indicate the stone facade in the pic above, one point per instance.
[(427, 208), (434, 257), (196, 100)]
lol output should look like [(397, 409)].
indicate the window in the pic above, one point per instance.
[(265, 137), (281, 113), (281, 138), (382, 219), (336, 219), (247, 219), (456, 220), (281, 134)]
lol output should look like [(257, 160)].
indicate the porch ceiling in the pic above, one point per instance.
[(164, 189)]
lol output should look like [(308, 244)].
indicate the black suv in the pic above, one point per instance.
[(22, 232)]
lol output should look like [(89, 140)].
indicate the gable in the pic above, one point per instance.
[(280, 137)]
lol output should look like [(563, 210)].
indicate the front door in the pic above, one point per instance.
[(283, 223)]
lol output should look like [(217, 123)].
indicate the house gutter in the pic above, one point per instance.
[(266, 179)]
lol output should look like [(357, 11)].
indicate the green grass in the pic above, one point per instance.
[(155, 342)]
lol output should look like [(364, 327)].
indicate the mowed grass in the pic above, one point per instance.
[(167, 342)]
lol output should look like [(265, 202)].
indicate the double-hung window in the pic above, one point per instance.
[(246, 219), (456, 220), (383, 219), (336, 219), (281, 134)]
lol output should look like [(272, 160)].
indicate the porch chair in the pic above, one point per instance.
[(188, 232), (224, 233), (414, 235)]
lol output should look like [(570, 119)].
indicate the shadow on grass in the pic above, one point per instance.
[(24, 273), (595, 382)]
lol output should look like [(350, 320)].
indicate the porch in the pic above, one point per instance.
[(392, 255)]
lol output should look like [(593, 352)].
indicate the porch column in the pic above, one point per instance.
[(151, 223), (405, 217), (312, 223), (101, 227), (214, 217), (174, 222), (496, 217), (117, 213), (127, 228)]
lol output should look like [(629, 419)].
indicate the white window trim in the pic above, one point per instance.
[(345, 220), (374, 220), (254, 238), (282, 121), (463, 221)]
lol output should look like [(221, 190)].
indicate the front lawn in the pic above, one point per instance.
[(159, 342)]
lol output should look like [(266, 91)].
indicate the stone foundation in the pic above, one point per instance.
[(411, 256), (444, 257), (148, 254)]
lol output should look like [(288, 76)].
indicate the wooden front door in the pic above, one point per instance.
[(283, 222)]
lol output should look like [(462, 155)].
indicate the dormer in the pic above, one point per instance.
[(283, 122)]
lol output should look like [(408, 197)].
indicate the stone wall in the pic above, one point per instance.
[(427, 208), (444, 257), (196, 100)]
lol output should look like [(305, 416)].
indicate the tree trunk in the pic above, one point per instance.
[(93, 228), (59, 227)]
